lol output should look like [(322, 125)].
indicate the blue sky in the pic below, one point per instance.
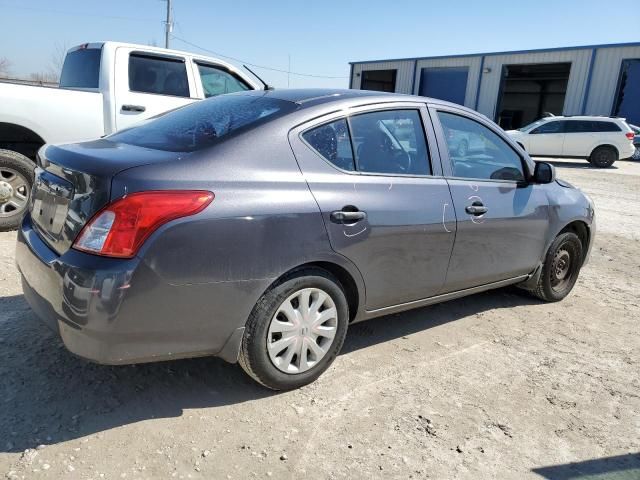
[(320, 36)]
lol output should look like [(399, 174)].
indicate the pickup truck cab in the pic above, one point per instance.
[(104, 87)]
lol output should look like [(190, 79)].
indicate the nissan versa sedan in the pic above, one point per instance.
[(258, 226)]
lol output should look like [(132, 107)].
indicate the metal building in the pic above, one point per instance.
[(516, 88)]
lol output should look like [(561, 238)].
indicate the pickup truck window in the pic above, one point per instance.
[(204, 124), (159, 75), (81, 69), (216, 81)]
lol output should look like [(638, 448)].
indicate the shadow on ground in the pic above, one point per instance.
[(48, 395), (621, 467)]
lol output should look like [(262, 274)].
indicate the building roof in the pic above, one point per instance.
[(510, 52)]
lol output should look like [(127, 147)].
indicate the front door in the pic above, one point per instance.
[(547, 139), (383, 199), (147, 85), (502, 220)]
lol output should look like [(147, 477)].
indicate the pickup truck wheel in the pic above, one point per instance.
[(560, 269), (16, 179), (603, 157), (295, 331)]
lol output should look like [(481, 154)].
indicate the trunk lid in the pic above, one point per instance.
[(73, 182)]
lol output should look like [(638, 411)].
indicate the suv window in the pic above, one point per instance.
[(160, 75), (486, 155), (550, 127), (81, 69), (605, 127), (579, 126), (332, 141), (390, 141), (204, 124), (217, 81)]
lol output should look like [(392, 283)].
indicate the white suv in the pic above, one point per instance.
[(601, 140)]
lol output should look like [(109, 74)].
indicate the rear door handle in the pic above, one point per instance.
[(476, 208), (133, 108), (347, 217)]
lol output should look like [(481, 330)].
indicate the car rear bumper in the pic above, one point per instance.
[(117, 311)]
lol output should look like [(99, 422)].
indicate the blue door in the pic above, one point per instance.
[(448, 83), (627, 102)]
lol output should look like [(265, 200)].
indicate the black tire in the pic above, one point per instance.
[(18, 164), (558, 277), (463, 149), (603, 157), (254, 357)]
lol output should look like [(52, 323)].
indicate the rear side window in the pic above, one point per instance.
[(206, 123), (579, 126), (81, 69), (333, 143), (216, 81), (160, 75), (606, 127), (385, 142)]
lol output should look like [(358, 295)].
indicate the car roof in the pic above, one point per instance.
[(583, 117)]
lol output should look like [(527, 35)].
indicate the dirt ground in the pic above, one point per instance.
[(497, 385)]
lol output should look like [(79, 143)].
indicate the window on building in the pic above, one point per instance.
[(216, 81), (487, 156), (379, 80), (155, 74)]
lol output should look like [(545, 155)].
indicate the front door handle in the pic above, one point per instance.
[(476, 208), (347, 216), (133, 108)]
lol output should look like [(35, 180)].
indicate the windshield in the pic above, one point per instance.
[(203, 124), (532, 125)]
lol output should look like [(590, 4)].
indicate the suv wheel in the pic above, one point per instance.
[(560, 269), (296, 330), (603, 157), (16, 179)]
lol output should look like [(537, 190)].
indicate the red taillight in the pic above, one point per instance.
[(630, 135), (121, 228)]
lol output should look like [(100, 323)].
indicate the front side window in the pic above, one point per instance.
[(485, 155), (332, 141), (579, 126), (549, 127), (204, 124), (159, 75), (216, 81)]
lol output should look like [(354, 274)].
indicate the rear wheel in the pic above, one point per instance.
[(603, 157), (296, 330), (560, 269), (16, 179)]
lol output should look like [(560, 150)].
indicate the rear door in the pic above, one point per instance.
[(547, 139), (377, 179), (579, 137), (502, 220), (149, 84)]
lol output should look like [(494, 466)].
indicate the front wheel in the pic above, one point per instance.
[(560, 269), (16, 180), (296, 330)]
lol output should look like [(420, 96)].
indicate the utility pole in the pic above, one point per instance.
[(168, 26)]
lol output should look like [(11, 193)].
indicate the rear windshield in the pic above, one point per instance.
[(81, 69), (205, 123)]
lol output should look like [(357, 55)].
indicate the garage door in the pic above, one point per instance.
[(448, 83)]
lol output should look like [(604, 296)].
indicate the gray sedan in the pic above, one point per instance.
[(258, 226)]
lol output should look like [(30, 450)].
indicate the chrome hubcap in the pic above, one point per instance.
[(302, 330), (14, 192)]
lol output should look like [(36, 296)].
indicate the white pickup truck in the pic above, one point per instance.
[(104, 87)]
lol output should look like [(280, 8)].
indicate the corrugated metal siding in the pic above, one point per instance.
[(604, 80), (490, 86), (404, 77), (474, 71)]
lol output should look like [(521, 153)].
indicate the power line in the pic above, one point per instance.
[(218, 54)]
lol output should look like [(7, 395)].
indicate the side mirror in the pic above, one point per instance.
[(544, 173)]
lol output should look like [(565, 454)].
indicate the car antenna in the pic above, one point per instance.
[(266, 86)]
